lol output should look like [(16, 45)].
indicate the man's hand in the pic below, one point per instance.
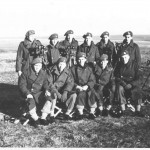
[(85, 87), (128, 86), (47, 93), (64, 96), (79, 87), (29, 96), (19, 73)]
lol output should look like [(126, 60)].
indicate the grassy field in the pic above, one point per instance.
[(126, 132)]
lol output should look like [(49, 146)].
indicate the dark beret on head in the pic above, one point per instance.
[(69, 32), (53, 36), (81, 54), (36, 60), (128, 33), (87, 34), (104, 33), (30, 32)]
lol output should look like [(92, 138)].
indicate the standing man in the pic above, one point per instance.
[(127, 82), (53, 50), (24, 54), (105, 85), (89, 48), (131, 47), (62, 85), (84, 86), (33, 85), (105, 46), (70, 47)]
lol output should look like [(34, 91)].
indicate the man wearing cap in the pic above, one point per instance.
[(24, 57), (33, 86), (105, 85), (89, 48), (105, 46), (133, 49), (70, 47), (53, 50), (127, 82), (62, 85), (84, 86)]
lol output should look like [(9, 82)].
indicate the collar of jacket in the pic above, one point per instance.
[(84, 67), (52, 46), (131, 43), (67, 42), (33, 76), (101, 43), (27, 43), (85, 45), (56, 71)]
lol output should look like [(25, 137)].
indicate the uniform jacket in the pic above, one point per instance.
[(108, 49), (128, 73), (134, 52), (104, 77), (30, 83), (69, 48), (25, 55), (91, 52), (62, 81), (83, 76), (53, 54)]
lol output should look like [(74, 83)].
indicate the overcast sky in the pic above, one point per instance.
[(58, 16)]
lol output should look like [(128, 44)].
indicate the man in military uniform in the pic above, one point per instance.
[(127, 82), (89, 48), (105, 85), (105, 46), (133, 49), (24, 53), (33, 85), (62, 85), (70, 47), (84, 83), (53, 50)]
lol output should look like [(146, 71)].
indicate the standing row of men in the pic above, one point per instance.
[(78, 75)]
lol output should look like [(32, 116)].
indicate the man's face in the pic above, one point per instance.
[(61, 66), (104, 63), (128, 38), (105, 38), (82, 61), (37, 67), (54, 41), (32, 37), (69, 37), (125, 58), (88, 40)]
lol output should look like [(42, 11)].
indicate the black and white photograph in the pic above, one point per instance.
[(74, 74)]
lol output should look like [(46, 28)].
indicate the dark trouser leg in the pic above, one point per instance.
[(99, 92), (81, 101), (91, 102)]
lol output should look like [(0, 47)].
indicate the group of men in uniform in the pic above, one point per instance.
[(78, 76)]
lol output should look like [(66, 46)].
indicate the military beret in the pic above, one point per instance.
[(128, 33), (87, 34), (30, 32), (104, 33), (81, 54), (104, 57), (36, 60), (68, 32), (62, 59), (53, 36), (124, 53)]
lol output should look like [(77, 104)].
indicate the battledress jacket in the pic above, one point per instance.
[(92, 52), (61, 81)]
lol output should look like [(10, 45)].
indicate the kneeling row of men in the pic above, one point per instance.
[(79, 86)]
